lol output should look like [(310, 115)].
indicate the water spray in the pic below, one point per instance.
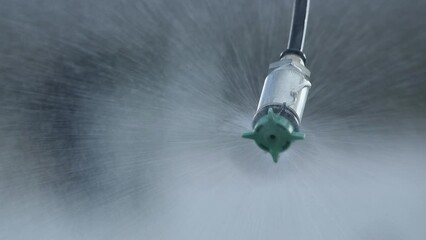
[(276, 123)]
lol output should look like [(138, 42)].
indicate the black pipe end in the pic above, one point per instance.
[(294, 52)]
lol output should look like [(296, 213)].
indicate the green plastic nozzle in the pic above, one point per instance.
[(273, 133)]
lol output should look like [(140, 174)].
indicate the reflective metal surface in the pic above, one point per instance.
[(287, 83)]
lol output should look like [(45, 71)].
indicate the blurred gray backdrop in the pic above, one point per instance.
[(121, 119)]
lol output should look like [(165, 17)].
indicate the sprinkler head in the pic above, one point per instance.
[(281, 105), (273, 133)]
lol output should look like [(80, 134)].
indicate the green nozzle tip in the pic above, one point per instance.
[(273, 133)]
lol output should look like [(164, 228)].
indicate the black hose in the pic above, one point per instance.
[(298, 25), (298, 28)]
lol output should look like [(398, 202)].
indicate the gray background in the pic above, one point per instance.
[(122, 120)]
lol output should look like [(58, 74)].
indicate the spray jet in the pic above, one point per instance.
[(276, 123)]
